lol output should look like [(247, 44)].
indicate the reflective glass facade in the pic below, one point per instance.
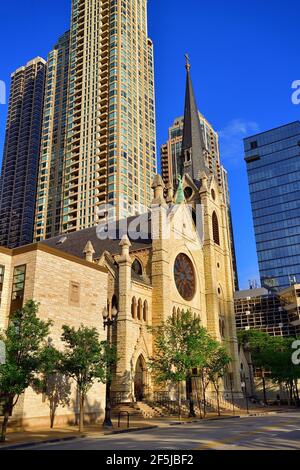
[(273, 164), (18, 182)]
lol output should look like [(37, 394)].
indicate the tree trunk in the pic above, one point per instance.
[(4, 427), (179, 400), (7, 412), (297, 393), (189, 389), (52, 416), (264, 387), (198, 399), (218, 401), (204, 396), (81, 412)]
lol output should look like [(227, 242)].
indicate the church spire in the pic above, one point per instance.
[(193, 160)]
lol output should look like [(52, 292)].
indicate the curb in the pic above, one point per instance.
[(37, 443), (221, 418), (130, 430), (124, 431), (71, 438)]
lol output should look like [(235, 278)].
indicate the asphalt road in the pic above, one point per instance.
[(277, 432)]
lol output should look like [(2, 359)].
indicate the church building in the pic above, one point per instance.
[(141, 270)]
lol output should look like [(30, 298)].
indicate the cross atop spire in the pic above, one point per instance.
[(187, 62), (193, 161)]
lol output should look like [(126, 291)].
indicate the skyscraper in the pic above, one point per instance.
[(48, 221), (171, 151), (110, 144), (21, 154), (273, 166)]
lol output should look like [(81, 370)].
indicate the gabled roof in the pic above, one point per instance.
[(74, 243)]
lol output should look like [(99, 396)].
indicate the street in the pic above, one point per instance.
[(273, 432)]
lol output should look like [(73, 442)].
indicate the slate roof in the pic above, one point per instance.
[(75, 242)]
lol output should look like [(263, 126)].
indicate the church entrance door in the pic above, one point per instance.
[(140, 379)]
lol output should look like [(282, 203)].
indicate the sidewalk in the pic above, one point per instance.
[(59, 433)]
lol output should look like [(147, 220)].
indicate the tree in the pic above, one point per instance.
[(181, 345), (52, 383), (217, 366), (85, 360), (281, 367), (273, 355), (23, 341), (261, 347)]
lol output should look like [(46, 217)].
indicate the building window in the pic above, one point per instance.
[(2, 270), (215, 226), (145, 311), (140, 310), (254, 145), (74, 293), (18, 288), (133, 308), (137, 268)]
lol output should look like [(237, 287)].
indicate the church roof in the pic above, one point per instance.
[(192, 131), (74, 243)]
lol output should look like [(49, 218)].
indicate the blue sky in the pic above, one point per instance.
[(244, 55)]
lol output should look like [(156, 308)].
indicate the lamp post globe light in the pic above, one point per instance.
[(108, 323)]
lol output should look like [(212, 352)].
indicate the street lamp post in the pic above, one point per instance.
[(244, 387), (108, 323)]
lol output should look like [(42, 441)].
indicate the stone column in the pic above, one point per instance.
[(123, 382)]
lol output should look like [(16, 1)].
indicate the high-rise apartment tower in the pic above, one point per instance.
[(109, 154), (21, 154)]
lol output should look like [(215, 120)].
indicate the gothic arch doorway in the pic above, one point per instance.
[(140, 379)]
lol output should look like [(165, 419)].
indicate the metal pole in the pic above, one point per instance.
[(107, 423)]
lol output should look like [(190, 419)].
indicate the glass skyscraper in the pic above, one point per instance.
[(18, 180), (273, 164)]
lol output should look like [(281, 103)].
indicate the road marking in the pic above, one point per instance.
[(230, 440)]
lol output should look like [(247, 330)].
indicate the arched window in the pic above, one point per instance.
[(222, 327), (133, 308), (137, 267), (145, 311), (215, 227), (140, 310)]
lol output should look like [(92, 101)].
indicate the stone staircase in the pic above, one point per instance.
[(125, 408), (152, 410)]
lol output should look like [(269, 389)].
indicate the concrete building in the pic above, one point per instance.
[(109, 154), (171, 151), (18, 180), (273, 166)]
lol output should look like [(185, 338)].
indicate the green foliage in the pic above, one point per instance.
[(217, 364), (85, 358), (24, 341), (181, 345), (271, 354)]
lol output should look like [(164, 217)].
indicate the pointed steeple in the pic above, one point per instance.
[(193, 160)]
